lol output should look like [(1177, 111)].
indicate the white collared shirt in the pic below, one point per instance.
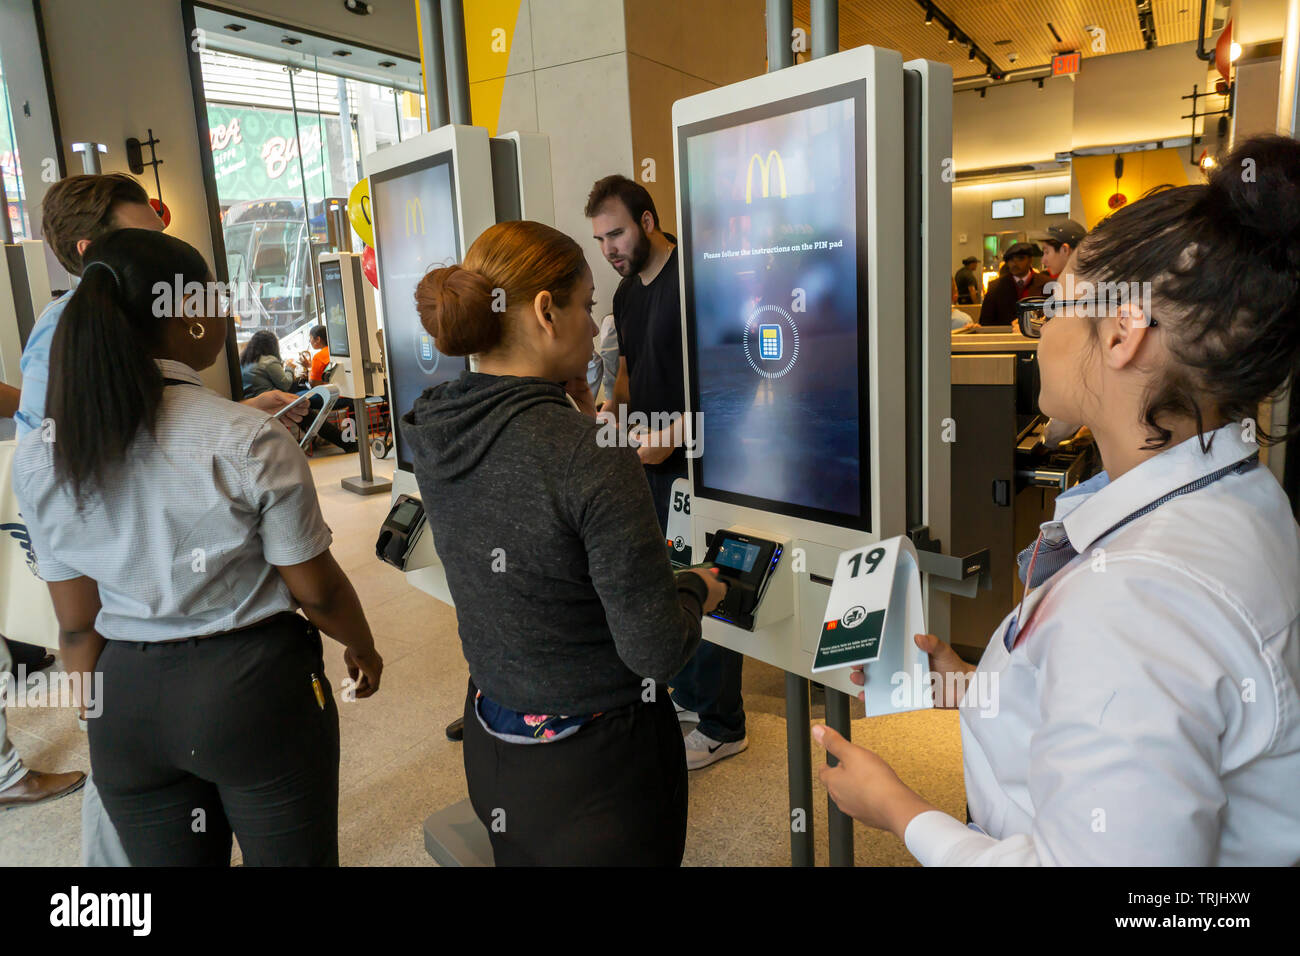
[(184, 536), (1150, 714)]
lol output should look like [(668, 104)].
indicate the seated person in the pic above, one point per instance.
[(261, 365), (263, 370), (322, 357)]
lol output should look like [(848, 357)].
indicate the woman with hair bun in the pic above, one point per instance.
[(571, 618), (1140, 707)]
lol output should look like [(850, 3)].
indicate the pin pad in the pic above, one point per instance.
[(746, 563)]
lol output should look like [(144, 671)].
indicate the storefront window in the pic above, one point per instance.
[(287, 144), (11, 169)]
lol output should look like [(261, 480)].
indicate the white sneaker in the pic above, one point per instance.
[(685, 716), (702, 750)]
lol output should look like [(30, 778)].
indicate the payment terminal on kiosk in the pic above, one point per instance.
[(745, 562), (352, 329)]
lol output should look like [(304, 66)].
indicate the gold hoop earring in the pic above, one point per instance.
[(196, 331)]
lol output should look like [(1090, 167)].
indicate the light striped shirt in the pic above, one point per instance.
[(183, 536)]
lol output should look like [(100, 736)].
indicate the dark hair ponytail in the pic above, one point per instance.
[(104, 384)]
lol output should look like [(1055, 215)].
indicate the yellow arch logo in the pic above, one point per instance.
[(764, 168), (414, 217)]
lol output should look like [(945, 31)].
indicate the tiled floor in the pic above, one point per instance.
[(397, 766)]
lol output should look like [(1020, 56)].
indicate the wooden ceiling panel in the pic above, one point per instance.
[(900, 25)]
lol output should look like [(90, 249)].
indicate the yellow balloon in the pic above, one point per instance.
[(359, 212)]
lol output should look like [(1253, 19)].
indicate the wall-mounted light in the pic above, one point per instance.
[(983, 90), (1040, 84)]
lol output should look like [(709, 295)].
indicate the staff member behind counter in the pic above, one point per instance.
[(1147, 710), (570, 615), (179, 531)]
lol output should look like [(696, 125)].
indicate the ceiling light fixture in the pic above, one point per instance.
[(929, 15)]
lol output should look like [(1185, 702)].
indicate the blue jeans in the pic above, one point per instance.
[(709, 684)]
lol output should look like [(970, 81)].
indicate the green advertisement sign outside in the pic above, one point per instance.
[(256, 154)]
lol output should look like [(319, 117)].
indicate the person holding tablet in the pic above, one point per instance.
[(1148, 711), (179, 532), (571, 618)]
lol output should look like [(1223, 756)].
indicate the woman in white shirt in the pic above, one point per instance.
[(1140, 707), (179, 532)]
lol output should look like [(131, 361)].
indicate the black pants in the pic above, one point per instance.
[(613, 794), (204, 736)]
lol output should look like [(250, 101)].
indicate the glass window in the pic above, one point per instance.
[(287, 145), (11, 169)]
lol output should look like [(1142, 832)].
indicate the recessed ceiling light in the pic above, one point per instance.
[(235, 27), (342, 52), (290, 41), (387, 64)]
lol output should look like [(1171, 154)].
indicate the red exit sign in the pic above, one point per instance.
[(1063, 64)]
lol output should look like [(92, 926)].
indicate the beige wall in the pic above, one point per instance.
[(972, 211), (599, 78), (1122, 98), (568, 78)]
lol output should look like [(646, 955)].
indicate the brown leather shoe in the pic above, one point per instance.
[(37, 786)]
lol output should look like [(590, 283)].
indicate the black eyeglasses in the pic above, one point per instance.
[(1034, 311)]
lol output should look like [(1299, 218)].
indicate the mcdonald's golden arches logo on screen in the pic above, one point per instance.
[(764, 171), (414, 217)]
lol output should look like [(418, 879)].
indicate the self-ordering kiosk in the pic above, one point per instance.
[(815, 356), (352, 330), (431, 196)]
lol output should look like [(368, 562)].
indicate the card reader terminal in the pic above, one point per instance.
[(746, 563), (398, 534)]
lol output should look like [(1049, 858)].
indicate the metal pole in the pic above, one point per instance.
[(799, 751), (363, 437), (798, 741), (780, 26), (435, 70), (839, 824), (453, 48), (825, 27)]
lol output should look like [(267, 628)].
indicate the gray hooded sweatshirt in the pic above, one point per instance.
[(564, 593)]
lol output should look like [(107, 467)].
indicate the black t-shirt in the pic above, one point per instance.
[(966, 285), (648, 320)]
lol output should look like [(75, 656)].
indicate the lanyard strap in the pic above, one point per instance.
[(1236, 468)]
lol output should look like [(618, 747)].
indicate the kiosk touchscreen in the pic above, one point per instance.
[(790, 223), (430, 197), (348, 304)]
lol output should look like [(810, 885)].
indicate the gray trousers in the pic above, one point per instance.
[(11, 765), (99, 843)]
